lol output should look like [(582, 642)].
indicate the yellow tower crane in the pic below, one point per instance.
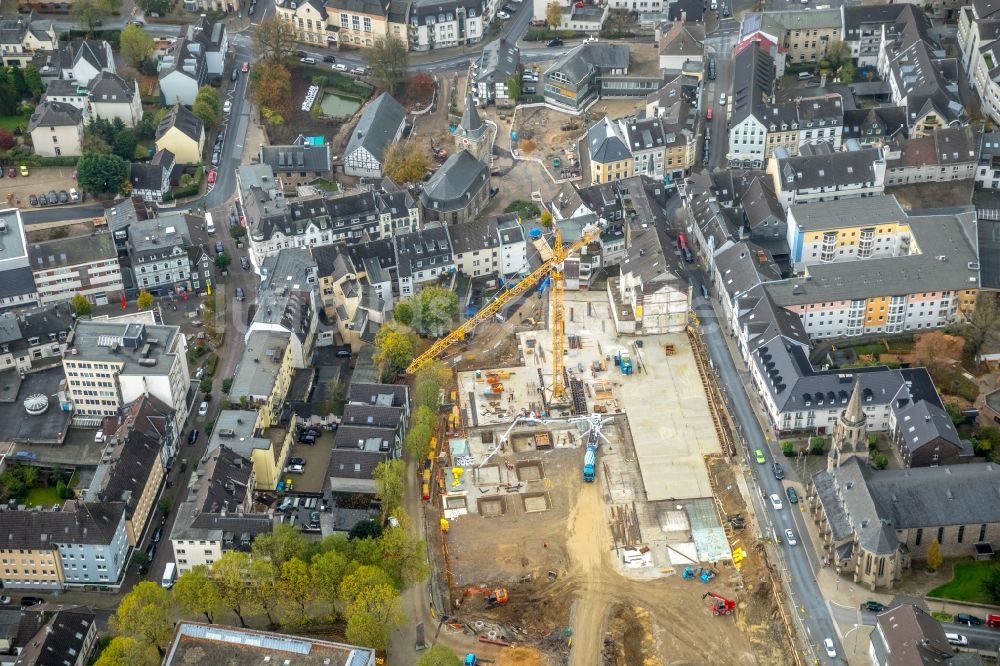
[(552, 265)]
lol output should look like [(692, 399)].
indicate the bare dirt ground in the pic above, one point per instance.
[(933, 195), (757, 611), (433, 129)]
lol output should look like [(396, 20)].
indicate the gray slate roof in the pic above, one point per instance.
[(457, 181), (909, 635), (299, 156), (64, 252), (78, 522), (605, 142), (108, 87), (842, 169), (499, 60), (184, 120), (378, 126), (55, 114), (753, 77)]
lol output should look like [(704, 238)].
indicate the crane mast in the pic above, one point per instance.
[(552, 266), (558, 320)]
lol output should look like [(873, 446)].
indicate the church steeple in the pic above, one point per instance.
[(850, 434)]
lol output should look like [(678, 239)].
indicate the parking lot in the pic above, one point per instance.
[(17, 191), (316, 457)]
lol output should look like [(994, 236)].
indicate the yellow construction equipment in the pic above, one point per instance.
[(552, 265)]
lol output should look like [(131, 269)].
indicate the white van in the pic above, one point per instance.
[(805, 76), (209, 223), (169, 575)]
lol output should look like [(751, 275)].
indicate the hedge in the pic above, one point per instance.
[(111, 36), (182, 191), (544, 34), (344, 84), (39, 161), (212, 365)]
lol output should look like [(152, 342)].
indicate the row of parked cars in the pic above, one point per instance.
[(53, 198)]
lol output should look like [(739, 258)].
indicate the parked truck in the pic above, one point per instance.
[(590, 458), (169, 575)]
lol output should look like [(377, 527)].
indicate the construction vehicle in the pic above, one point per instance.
[(590, 464), (553, 258), (470, 660), (993, 621), (718, 604), (707, 575), (688, 573), (497, 597), (624, 361)]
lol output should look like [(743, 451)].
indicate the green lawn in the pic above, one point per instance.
[(10, 122), (324, 184), (42, 497), (966, 585)]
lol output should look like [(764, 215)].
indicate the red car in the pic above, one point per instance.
[(12, 172), (708, 114), (246, 67), (211, 176)]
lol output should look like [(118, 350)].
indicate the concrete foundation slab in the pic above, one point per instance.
[(492, 506), (536, 502), (488, 475), (530, 471)]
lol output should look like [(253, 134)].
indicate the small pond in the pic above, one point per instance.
[(338, 105)]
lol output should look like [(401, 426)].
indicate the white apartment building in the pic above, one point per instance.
[(495, 246), (86, 265), (109, 365), (979, 49)]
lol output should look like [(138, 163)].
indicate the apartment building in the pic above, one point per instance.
[(610, 157), (85, 265), (288, 302), (23, 36), (494, 246), (363, 23), (113, 98), (979, 48), (682, 46), (863, 24), (868, 267), (575, 80), (804, 35), (17, 284), (217, 515), (56, 129), (247, 434), (82, 543), (264, 374), (907, 634), (182, 71), (988, 163), (499, 61), (161, 255), (35, 338), (421, 257), (874, 128), (435, 24), (819, 174), (309, 19), (946, 154), (109, 365), (753, 89), (920, 78), (275, 223), (82, 60), (67, 636), (648, 297), (298, 163)]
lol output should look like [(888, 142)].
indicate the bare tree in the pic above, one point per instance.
[(274, 39), (388, 62)]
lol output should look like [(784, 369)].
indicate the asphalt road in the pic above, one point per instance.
[(798, 562), (720, 44)]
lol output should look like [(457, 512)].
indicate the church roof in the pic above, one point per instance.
[(471, 125), (854, 415)]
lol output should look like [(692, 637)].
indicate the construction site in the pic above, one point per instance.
[(590, 506)]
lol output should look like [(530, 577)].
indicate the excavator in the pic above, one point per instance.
[(496, 597)]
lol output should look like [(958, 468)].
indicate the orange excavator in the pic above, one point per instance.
[(496, 597)]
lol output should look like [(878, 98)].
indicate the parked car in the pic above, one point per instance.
[(27, 602), (53, 197), (776, 502), (4, 600), (212, 176), (253, 9), (708, 114), (296, 461), (74, 196), (296, 469), (199, 373), (157, 535), (244, 263), (340, 67), (307, 439), (758, 455), (219, 249), (236, 75), (32, 199), (193, 437), (42, 199), (831, 651), (308, 61), (240, 296), (874, 606), (779, 473), (216, 155), (790, 538), (63, 196), (24, 170), (793, 497), (360, 71), (203, 409), (968, 620), (956, 639), (12, 172), (227, 106), (245, 68), (555, 42), (503, 16), (329, 58)]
